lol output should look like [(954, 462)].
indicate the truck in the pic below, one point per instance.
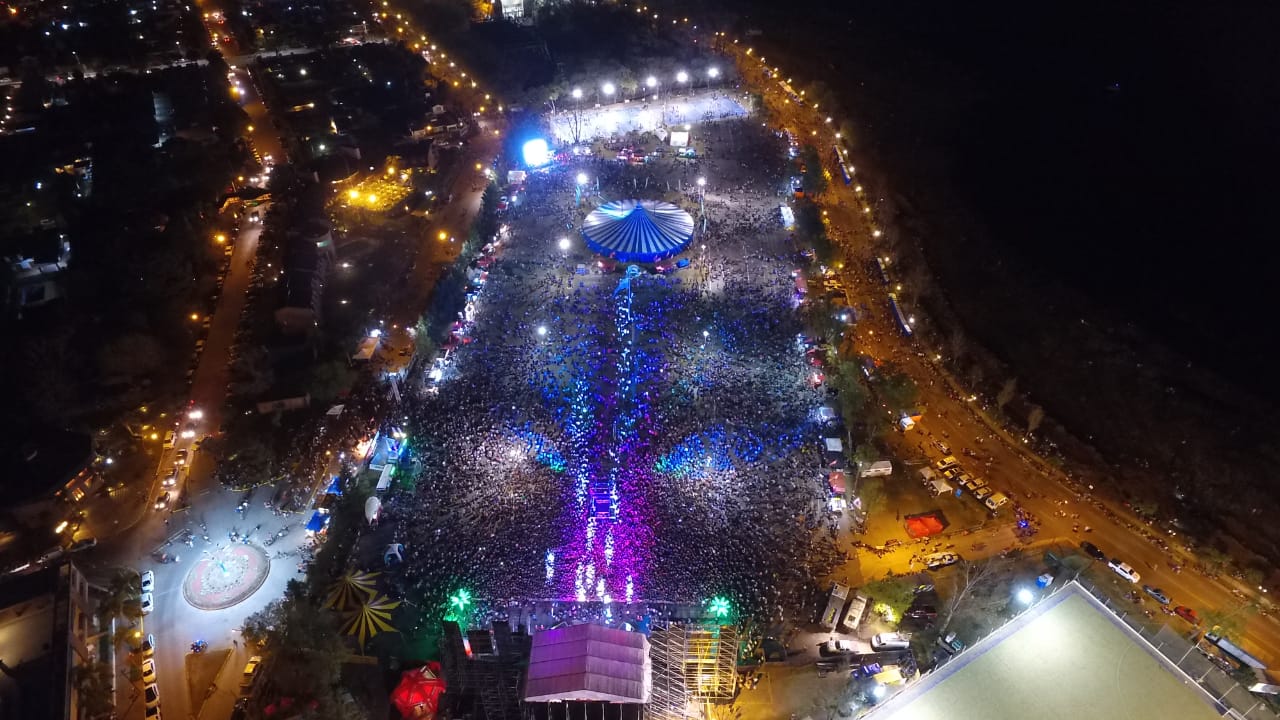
[(835, 604), (879, 468)]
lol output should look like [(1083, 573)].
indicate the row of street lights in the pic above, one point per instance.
[(651, 82)]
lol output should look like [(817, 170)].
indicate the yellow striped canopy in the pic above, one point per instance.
[(354, 589), (371, 618)]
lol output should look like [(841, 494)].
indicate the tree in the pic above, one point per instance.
[(814, 180), (93, 686), (895, 593), (309, 650), (1034, 418), (967, 576), (330, 380), (1007, 391), (1228, 622), (122, 599), (259, 626), (896, 388)]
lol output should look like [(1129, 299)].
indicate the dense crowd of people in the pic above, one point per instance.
[(684, 400)]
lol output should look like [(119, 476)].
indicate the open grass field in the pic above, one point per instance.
[(1068, 663)]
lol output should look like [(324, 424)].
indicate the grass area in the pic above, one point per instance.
[(1070, 662), (202, 671)]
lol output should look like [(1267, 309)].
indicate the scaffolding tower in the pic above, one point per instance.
[(691, 664)]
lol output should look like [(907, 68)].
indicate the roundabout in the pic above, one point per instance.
[(226, 578)]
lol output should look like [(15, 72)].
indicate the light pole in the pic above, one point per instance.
[(651, 82), (682, 77), (608, 89), (582, 182), (702, 191), (712, 74)]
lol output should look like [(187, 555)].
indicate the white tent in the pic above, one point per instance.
[(588, 662), (372, 507), (833, 445)]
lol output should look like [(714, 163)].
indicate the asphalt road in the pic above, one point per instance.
[(960, 423)]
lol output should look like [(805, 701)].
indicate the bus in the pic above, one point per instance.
[(904, 324), (845, 173), (1232, 651)]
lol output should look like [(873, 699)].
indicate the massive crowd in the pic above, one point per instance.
[(685, 401)]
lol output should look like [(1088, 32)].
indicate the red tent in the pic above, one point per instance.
[(419, 691)]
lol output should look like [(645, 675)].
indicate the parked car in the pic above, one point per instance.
[(946, 462), (1092, 550), (835, 647), (152, 694), (84, 544), (1124, 570), (149, 670), (148, 645), (938, 561), (923, 612), (148, 581), (890, 641), (153, 713), (1156, 593), (1187, 614), (147, 601), (250, 672)]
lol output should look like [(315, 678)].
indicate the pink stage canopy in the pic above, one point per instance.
[(588, 662)]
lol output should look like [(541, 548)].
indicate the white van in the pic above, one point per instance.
[(890, 641), (996, 501)]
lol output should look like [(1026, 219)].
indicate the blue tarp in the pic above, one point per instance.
[(637, 230), (335, 487), (317, 522)]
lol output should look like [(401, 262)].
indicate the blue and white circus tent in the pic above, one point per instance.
[(638, 230)]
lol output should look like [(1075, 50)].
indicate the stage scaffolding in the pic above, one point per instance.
[(691, 664)]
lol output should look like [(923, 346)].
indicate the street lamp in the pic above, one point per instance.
[(564, 244), (577, 93), (1024, 596), (682, 77), (702, 182), (608, 89), (713, 73), (577, 188), (542, 331)]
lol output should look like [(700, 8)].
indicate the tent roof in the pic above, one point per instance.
[(638, 230), (588, 662)]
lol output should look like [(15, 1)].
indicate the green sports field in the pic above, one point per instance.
[(1070, 663)]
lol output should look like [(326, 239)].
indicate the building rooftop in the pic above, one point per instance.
[(41, 461), (28, 630), (1065, 659)]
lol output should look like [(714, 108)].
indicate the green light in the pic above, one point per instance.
[(460, 600), (719, 607)]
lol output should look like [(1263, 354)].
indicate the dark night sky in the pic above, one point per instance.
[(1126, 149)]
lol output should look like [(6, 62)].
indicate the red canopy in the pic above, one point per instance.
[(419, 691), (836, 479)]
